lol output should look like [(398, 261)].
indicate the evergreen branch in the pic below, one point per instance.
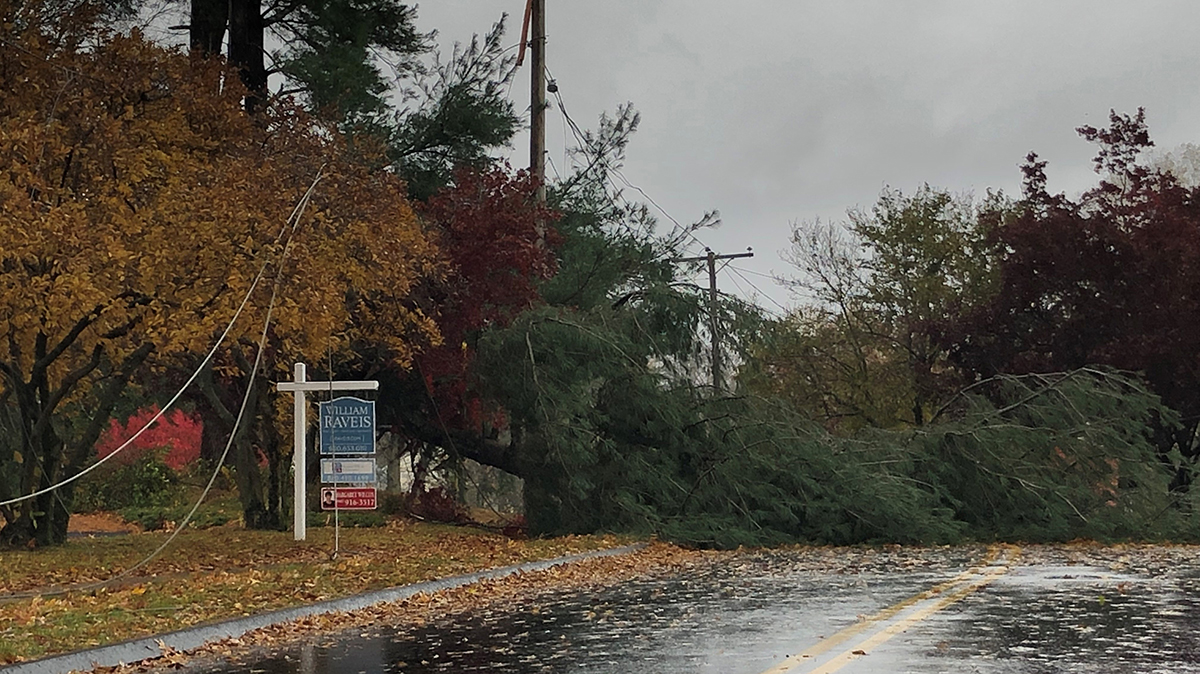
[(961, 393), (1068, 502)]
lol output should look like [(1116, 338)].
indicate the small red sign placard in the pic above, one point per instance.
[(347, 498)]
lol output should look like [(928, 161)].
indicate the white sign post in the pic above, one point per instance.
[(299, 387)]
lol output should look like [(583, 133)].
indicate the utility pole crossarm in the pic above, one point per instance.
[(703, 258)]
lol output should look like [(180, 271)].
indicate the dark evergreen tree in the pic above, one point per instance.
[(329, 47), (457, 112), (434, 118)]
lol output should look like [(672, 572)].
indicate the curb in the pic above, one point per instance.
[(127, 652)]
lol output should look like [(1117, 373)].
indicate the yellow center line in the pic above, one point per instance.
[(858, 650), (858, 628)]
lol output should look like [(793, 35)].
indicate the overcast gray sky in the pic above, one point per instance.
[(776, 111)]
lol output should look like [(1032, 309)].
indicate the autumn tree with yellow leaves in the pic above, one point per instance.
[(138, 204)]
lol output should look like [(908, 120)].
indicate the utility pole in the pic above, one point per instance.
[(714, 325), (537, 98)]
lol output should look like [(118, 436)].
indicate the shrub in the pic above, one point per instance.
[(176, 432), (438, 505), (146, 482)]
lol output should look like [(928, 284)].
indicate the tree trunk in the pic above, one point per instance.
[(206, 33), (543, 508), (256, 439), (259, 485), (277, 468), (43, 520), (247, 49)]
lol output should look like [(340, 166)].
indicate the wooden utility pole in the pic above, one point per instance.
[(714, 324), (537, 98)]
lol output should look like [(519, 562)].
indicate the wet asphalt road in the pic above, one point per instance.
[(1046, 610)]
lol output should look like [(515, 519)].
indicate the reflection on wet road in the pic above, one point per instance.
[(1053, 612), (1052, 618)]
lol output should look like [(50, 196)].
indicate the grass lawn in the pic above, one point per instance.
[(223, 572)]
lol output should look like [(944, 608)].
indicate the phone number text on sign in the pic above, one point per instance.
[(348, 498)]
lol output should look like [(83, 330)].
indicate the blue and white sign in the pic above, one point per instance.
[(348, 426), (348, 471)]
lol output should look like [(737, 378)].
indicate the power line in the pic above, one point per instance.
[(262, 341), (292, 220), (207, 487), (759, 273), (678, 225), (550, 160), (581, 139), (740, 288), (738, 271)]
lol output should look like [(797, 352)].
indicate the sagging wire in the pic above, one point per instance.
[(581, 139), (292, 220)]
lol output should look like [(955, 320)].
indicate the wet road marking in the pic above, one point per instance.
[(946, 593), (863, 625)]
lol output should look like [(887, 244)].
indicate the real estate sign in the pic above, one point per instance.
[(348, 426), (353, 471), (348, 498)]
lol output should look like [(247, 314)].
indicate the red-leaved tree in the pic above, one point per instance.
[(497, 243), (1112, 278)]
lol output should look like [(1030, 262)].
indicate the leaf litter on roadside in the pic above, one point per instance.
[(518, 589), (218, 573)]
